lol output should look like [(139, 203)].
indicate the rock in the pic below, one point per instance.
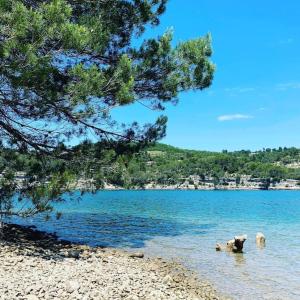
[(260, 239), (29, 290), (167, 279), (31, 227), (236, 244), (230, 245), (73, 254), (72, 286), (218, 247), (96, 295), (31, 297), (239, 242), (84, 248), (137, 255)]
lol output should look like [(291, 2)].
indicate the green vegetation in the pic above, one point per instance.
[(163, 164), (128, 166), (64, 65)]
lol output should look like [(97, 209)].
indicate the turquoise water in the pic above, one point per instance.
[(186, 225)]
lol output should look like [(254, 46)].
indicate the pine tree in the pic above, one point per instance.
[(65, 64)]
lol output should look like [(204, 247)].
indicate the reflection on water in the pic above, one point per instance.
[(187, 224), (261, 246), (240, 259)]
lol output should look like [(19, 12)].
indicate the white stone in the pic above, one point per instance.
[(72, 286), (31, 297)]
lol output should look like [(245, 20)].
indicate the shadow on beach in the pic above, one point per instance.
[(28, 241)]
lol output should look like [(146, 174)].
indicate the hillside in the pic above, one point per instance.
[(167, 165), (164, 166)]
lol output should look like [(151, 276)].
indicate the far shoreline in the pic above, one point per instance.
[(189, 189), (258, 185)]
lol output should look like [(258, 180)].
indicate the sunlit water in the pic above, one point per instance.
[(186, 225)]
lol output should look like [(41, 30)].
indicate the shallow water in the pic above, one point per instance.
[(187, 224)]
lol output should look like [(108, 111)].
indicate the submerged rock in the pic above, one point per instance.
[(218, 247), (230, 245), (239, 242), (260, 239), (234, 245)]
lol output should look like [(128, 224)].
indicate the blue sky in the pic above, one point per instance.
[(254, 101)]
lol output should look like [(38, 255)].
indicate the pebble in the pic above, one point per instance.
[(72, 286), (31, 297), (137, 255)]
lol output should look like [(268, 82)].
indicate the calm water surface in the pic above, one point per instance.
[(186, 225)]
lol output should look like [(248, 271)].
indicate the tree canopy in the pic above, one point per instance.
[(65, 64)]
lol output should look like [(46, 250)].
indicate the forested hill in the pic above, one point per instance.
[(163, 165)]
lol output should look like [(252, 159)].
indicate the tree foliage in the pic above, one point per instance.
[(64, 65)]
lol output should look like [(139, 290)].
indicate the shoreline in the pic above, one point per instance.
[(289, 185), (170, 188), (37, 265)]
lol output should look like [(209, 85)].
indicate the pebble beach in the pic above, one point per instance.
[(36, 265)]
